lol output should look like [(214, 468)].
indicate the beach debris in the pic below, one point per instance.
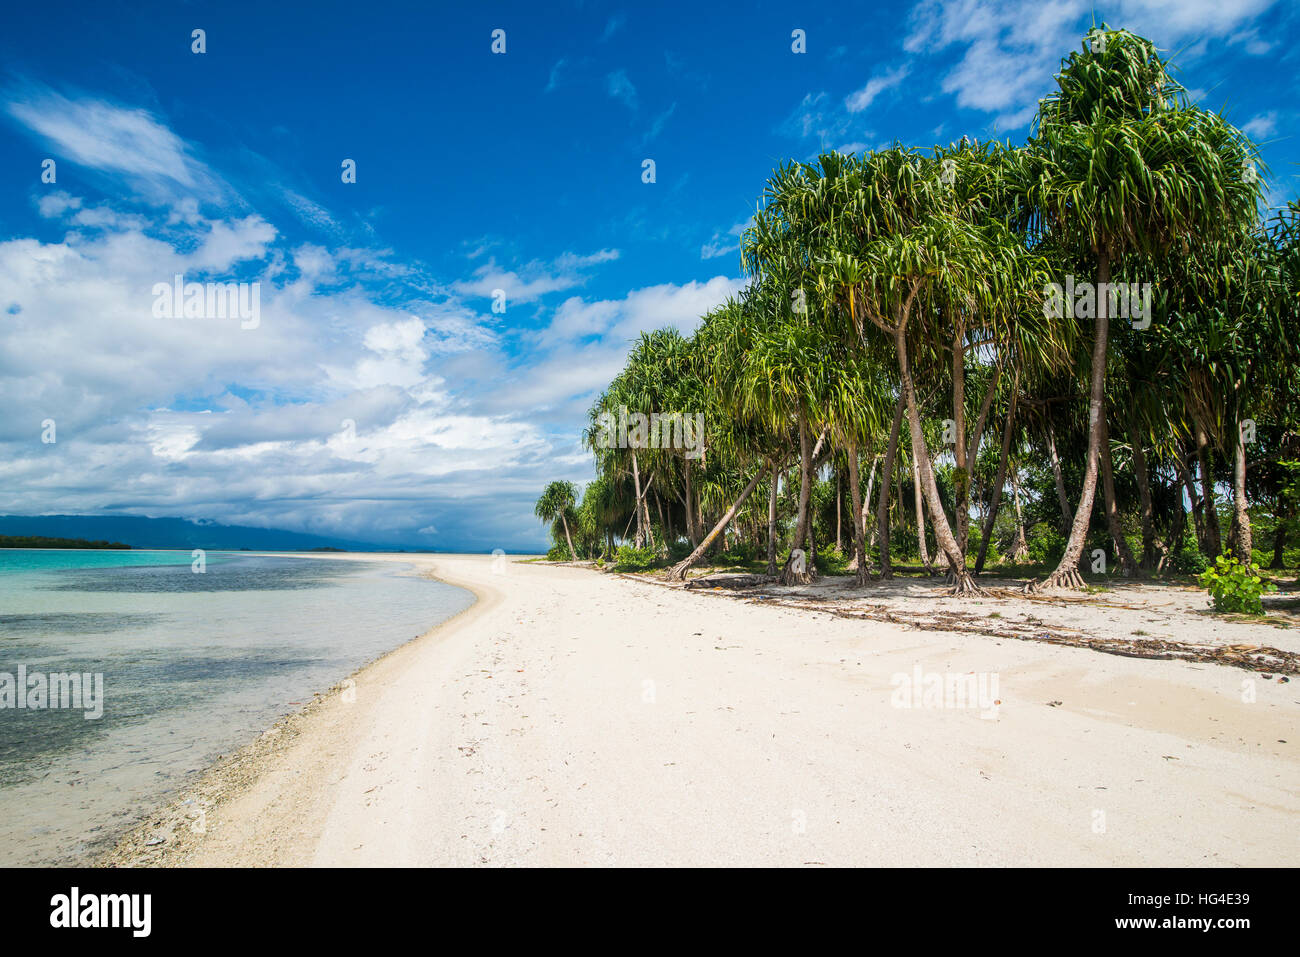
[(719, 582), (1250, 657), (1053, 704)]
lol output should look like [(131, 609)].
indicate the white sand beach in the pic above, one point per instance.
[(577, 718)]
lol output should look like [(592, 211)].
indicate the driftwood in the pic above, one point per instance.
[(1260, 658), (732, 581)]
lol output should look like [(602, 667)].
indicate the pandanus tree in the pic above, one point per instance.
[(1236, 348), (743, 439), (557, 504), (788, 376), (997, 326), (1121, 165), (904, 257)]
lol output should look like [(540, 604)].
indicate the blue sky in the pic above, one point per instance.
[(476, 171)]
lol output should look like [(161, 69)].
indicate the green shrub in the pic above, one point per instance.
[(631, 559), (1233, 587), (741, 553), (1188, 560), (558, 553), (1046, 544), (679, 549)]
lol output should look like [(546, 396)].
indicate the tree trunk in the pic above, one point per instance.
[(866, 507), (963, 584), (1058, 476), (921, 547), (1279, 543), (573, 553), (1176, 530), (1067, 572), (1209, 510), (789, 575), (882, 507), (1001, 478), (663, 525), (771, 524), (839, 495), (678, 571), (966, 453), (1241, 517), (636, 482), (961, 474), (1193, 501), (1143, 478), (1020, 548), (692, 533), (1128, 566), (812, 532), (855, 499)]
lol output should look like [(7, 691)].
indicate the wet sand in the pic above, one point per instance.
[(576, 718)]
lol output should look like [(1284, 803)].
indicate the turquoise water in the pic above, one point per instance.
[(193, 665)]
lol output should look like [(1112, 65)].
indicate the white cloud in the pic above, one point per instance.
[(724, 244), (533, 280), (1262, 126), (1009, 50), (129, 142), (621, 88), (641, 310), (861, 99)]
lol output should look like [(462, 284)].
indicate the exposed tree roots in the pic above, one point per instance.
[(1068, 580), (678, 572), (963, 586)]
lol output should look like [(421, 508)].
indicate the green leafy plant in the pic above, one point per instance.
[(1188, 559), (635, 559), (1234, 587), (1046, 544)]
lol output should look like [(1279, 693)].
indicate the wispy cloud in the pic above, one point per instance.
[(861, 99), (1262, 126), (658, 123), (554, 80), (128, 142), (1007, 49), (533, 280), (613, 25), (620, 88), (724, 243)]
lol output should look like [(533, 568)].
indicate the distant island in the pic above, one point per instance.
[(42, 541)]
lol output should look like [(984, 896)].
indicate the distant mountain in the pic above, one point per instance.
[(140, 532)]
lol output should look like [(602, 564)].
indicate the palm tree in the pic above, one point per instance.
[(557, 502), (1121, 164)]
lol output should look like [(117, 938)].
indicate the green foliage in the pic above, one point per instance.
[(678, 550), (43, 541), (1046, 544), (558, 553), (832, 562), (632, 559), (1234, 587), (740, 553), (1188, 560)]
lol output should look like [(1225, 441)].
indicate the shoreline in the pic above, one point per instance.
[(569, 717), (175, 818)]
